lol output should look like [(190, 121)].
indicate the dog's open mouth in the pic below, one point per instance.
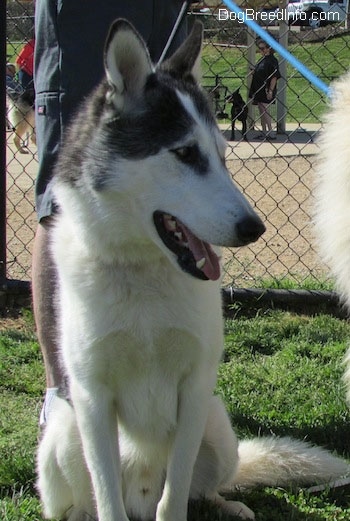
[(194, 256)]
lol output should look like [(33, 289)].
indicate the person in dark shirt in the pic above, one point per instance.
[(263, 87)]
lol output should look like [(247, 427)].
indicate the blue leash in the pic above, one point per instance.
[(309, 75), (241, 15)]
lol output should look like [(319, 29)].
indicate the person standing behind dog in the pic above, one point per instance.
[(25, 63), (70, 38), (263, 87)]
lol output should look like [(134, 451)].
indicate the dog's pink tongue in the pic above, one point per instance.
[(203, 253)]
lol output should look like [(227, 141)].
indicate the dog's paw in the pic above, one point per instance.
[(75, 514), (233, 508), (238, 509), (167, 512)]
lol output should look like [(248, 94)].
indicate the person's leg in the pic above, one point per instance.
[(265, 117), (262, 119), (262, 134), (266, 121), (44, 288)]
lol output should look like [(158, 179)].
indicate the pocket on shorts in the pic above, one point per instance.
[(48, 135)]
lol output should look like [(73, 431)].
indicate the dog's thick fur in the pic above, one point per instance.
[(332, 193), (143, 191), (239, 111), (21, 117)]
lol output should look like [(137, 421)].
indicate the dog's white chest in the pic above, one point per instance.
[(145, 378)]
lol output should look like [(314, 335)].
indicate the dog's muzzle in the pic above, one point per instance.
[(194, 256)]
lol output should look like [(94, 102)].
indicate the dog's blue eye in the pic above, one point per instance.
[(193, 157), (188, 154)]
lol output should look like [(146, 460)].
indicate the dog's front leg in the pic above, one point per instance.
[(233, 121), (97, 423), (193, 409), (244, 129)]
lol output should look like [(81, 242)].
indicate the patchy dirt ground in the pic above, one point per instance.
[(279, 186), (281, 189), (14, 321)]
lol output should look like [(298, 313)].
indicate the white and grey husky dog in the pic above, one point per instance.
[(144, 193), (332, 194)]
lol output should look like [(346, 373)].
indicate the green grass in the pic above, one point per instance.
[(12, 50), (277, 374), (309, 283), (281, 373), (21, 386)]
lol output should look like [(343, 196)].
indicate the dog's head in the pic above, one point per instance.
[(235, 98), (157, 153)]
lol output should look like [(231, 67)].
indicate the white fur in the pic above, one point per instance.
[(332, 216), (121, 57), (21, 117), (141, 342)]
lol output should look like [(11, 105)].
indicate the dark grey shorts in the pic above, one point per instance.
[(70, 36)]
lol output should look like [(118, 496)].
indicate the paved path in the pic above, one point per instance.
[(296, 141)]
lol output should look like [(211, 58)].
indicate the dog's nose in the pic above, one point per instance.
[(250, 229)]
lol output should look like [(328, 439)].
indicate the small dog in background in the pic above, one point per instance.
[(21, 117), (239, 111)]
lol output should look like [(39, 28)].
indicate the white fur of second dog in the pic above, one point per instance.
[(332, 194), (140, 305)]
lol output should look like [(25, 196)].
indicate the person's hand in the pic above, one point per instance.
[(269, 94)]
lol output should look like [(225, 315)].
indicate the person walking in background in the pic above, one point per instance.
[(263, 87), (13, 87), (25, 64)]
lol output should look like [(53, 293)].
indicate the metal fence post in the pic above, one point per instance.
[(251, 60), (3, 143), (282, 84)]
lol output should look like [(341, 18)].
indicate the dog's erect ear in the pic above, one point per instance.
[(127, 64), (236, 91), (187, 57)]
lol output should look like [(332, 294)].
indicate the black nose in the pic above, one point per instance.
[(250, 229)]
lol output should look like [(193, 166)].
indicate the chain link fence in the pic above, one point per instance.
[(275, 172), (21, 160)]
